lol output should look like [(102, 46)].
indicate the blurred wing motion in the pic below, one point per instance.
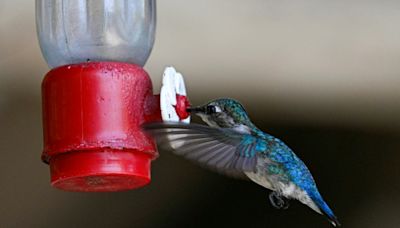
[(223, 150)]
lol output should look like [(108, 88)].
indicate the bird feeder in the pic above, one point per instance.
[(97, 95)]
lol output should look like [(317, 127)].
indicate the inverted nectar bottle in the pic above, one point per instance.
[(97, 94), (76, 31)]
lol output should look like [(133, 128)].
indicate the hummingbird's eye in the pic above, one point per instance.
[(211, 109)]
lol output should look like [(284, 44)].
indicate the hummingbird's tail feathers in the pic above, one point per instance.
[(324, 208), (331, 217), (333, 220)]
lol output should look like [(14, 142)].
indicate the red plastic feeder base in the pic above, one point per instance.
[(92, 117), (104, 171)]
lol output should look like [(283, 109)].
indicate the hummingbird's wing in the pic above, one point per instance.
[(221, 149)]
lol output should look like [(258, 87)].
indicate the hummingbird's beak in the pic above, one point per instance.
[(195, 109)]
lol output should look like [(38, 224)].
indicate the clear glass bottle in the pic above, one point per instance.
[(76, 31)]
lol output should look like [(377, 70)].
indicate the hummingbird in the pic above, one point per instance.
[(232, 145)]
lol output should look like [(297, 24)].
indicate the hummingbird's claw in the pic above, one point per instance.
[(278, 201)]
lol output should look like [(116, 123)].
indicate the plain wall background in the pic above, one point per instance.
[(321, 75)]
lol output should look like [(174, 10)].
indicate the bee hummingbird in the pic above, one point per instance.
[(231, 144)]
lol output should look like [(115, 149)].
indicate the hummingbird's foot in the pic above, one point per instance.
[(278, 201)]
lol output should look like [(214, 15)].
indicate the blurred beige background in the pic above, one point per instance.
[(322, 75)]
